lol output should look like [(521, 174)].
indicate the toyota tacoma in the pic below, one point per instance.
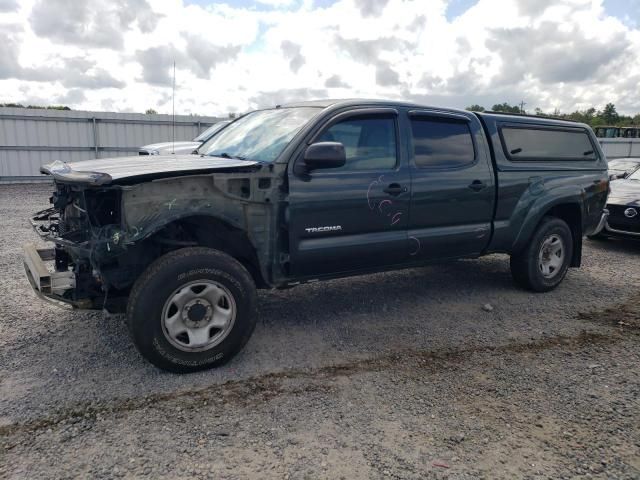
[(307, 192)]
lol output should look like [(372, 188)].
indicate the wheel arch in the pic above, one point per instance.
[(567, 209), (212, 232)]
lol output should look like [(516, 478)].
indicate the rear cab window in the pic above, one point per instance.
[(441, 142), (546, 143)]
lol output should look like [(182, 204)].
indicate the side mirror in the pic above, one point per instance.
[(324, 155)]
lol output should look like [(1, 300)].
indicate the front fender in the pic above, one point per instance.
[(149, 207)]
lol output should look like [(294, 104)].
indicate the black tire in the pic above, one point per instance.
[(525, 268), (169, 274)]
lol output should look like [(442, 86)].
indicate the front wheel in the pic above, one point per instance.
[(192, 309), (543, 264)]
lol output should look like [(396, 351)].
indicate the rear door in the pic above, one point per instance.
[(354, 217), (452, 189)]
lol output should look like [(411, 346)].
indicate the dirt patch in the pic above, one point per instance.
[(625, 316)]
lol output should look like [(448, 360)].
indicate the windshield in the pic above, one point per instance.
[(631, 133), (206, 135), (261, 135), (611, 132)]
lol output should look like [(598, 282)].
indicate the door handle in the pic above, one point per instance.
[(477, 185), (395, 189)]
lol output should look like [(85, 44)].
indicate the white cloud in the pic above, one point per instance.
[(277, 3), (563, 54)]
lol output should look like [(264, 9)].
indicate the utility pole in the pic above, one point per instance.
[(522, 104), (173, 112)]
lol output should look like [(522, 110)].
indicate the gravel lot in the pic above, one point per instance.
[(394, 375)]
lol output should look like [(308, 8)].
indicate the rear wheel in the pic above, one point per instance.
[(543, 264), (192, 309)]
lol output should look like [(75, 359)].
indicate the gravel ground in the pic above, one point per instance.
[(394, 375)]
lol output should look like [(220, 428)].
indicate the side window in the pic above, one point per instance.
[(531, 143), (441, 143), (369, 142)]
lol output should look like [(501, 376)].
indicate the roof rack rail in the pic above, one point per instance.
[(529, 115)]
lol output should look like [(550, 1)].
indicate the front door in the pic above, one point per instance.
[(452, 190), (353, 217)]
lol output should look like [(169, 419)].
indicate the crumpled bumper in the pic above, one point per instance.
[(49, 285)]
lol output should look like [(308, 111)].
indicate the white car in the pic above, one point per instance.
[(183, 147)]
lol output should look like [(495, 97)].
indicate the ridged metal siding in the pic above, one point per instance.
[(30, 138)]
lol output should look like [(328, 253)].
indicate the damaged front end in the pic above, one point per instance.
[(85, 224), (107, 234)]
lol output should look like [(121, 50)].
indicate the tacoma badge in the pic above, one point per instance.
[(332, 228)]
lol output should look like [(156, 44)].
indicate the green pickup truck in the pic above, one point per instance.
[(307, 192)]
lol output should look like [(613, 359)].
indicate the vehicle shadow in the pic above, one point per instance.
[(388, 297), (379, 293), (437, 289), (446, 289)]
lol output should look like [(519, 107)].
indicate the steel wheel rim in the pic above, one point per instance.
[(198, 315), (551, 256)]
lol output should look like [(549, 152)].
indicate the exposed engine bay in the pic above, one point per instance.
[(107, 235)]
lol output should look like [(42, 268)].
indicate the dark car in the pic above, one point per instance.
[(622, 167), (624, 208)]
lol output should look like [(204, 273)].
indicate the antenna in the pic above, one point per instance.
[(173, 114)]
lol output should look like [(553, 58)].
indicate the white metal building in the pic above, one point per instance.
[(30, 138)]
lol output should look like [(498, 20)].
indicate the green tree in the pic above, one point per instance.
[(150, 111), (609, 114), (475, 108), (13, 105), (505, 107), (583, 116)]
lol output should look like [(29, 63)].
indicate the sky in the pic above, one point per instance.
[(239, 55)]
